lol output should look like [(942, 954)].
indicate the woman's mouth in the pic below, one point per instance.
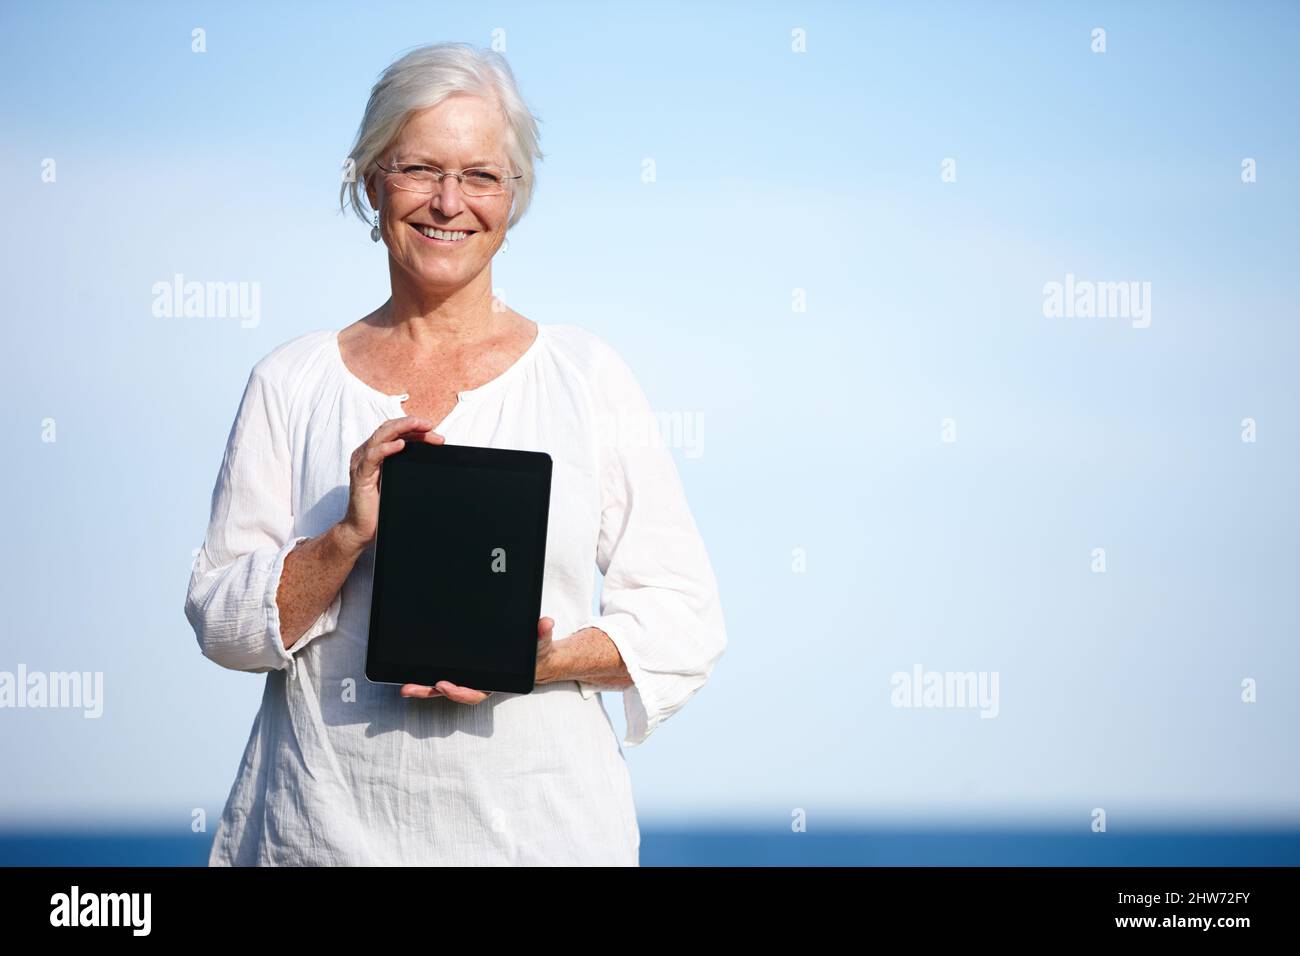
[(443, 237)]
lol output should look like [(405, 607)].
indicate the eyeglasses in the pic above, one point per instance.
[(422, 178)]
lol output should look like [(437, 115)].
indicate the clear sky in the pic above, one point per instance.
[(839, 264)]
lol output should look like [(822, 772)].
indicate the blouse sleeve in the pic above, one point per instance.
[(231, 603), (659, 601)]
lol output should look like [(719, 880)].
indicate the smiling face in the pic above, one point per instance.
[(460, 132)]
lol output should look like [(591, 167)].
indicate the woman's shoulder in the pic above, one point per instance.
[(608, 378), (297, 359), (589, 352)]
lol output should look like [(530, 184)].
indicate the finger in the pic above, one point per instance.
[(420, 690), (462, 695), (393, 429), (545, 628), (374, 455), (400, 426)]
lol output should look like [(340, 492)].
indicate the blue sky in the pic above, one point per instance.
[(823, 429)]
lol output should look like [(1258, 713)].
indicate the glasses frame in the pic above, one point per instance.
[(442, 174)]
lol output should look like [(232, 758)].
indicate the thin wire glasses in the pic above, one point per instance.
[(423, 178)]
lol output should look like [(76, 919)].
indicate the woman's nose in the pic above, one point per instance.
[(447, 196)]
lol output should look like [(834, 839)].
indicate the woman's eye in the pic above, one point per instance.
[(483, 175)]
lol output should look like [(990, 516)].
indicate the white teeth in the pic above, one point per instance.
[(440, 234)]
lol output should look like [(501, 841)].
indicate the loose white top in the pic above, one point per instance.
[(339, 771)]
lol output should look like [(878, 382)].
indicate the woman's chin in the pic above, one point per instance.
[(439, 274)]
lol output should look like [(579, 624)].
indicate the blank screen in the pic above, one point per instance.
[(460, 570)]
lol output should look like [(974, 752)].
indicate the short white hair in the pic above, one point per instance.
[(424, 78)]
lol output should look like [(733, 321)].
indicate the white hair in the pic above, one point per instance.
[(424, 78)]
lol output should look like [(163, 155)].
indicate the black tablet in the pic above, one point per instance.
[(459, 556)]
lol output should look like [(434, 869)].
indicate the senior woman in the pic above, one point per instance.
[(338, 770)]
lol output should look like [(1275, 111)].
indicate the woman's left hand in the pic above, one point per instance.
[(467, 695)]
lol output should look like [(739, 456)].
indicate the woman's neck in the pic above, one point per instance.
[(434, 319)]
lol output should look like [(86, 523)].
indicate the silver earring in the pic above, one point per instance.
[(374, 232)]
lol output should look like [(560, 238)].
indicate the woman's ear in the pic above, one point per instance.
[(371, 193)]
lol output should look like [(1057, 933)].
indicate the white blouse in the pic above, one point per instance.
[(339, 771)]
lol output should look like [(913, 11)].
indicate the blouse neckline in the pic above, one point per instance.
[(492, 385)]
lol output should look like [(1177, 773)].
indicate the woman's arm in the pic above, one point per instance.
[(314, 573), (232, 598), (589, 655), (659, 603)]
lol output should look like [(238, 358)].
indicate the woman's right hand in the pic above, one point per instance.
[(362, 520)]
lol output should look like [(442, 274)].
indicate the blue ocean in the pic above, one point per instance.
[(739, 847)]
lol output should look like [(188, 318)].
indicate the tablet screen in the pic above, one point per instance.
[(459, 561)]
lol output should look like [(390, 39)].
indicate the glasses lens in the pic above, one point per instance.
[(416, 178), (482, 181)]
